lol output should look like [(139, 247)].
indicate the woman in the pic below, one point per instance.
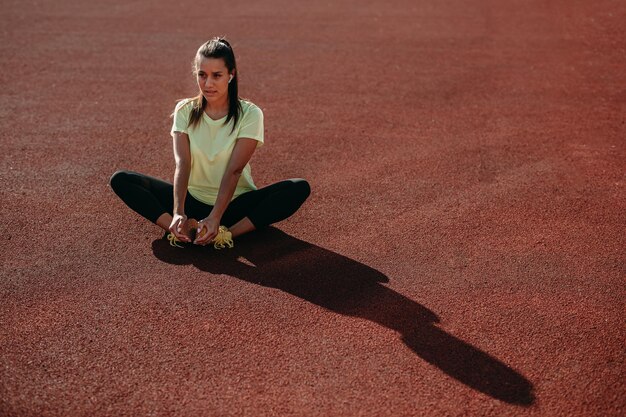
[(213, 198)]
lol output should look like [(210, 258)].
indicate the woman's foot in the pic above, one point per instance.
[(188, 229), (224, 238)]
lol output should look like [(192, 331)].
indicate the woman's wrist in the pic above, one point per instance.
[(213, 217)]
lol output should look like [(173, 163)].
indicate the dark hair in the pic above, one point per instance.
[(217, 48)]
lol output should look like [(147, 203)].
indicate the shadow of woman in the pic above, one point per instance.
[(274, 259)]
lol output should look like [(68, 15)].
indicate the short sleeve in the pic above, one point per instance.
[(181, 117), (251, 125)]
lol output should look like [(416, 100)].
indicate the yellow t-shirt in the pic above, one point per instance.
[(211, 144)]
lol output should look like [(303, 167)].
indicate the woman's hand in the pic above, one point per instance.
[(207, 231), (176, 227)]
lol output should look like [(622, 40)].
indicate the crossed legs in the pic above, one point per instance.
[(153, 199)]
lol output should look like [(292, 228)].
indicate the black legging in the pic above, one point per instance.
[(152, 197)]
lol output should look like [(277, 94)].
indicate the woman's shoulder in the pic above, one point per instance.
[(248, 107), (185, 103)]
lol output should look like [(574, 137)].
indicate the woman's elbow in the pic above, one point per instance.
[(234, 172)]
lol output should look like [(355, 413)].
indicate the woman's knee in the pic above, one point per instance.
[(118, 179), (301, 187)]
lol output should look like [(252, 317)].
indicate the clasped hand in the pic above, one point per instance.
[(207, 231), (177, 226)]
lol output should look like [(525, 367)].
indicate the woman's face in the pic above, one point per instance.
[(212, 77)]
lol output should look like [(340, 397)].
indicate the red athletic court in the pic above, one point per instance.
[(462, 252)]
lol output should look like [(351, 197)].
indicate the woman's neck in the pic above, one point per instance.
[(216, 107)]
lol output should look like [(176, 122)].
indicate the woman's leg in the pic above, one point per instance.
[(265, 206), (153, 198)]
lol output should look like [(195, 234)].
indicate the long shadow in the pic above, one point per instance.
[(274, 259)]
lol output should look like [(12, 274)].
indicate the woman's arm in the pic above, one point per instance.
[(182, 157), (244, 148)]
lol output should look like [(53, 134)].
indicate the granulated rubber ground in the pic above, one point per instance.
[(462, 252)]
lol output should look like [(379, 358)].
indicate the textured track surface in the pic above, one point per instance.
[(462, 252)]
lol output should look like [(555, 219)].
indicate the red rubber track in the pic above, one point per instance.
[(462, 252)]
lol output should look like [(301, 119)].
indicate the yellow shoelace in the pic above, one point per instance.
[(173, 240), (223, 239)]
